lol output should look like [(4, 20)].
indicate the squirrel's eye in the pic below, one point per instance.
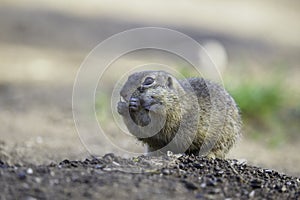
[(148, 81)]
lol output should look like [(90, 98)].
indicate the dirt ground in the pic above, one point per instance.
[(168, 177), (41, 49)]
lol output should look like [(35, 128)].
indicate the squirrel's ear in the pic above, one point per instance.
[(170, 82)]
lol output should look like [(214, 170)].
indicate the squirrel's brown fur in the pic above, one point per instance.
[(191, 115)]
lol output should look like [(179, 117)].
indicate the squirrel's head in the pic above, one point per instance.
[(157, 91), (151, 92), (147, 80)]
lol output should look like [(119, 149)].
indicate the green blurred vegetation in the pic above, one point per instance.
[(102, 106), (265, 108), (258, 100)]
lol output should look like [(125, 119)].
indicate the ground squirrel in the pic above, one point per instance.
[(190, 116)]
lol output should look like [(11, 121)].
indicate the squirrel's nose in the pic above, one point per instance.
[(141, 89)]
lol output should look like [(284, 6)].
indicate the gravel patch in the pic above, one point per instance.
[(167, 177)]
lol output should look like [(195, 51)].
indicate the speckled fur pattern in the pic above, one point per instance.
[(207, 114)]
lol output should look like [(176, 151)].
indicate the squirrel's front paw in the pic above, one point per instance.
[(134, 104), (122, 107)]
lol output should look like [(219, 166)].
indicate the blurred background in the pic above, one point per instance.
[(43, 43)]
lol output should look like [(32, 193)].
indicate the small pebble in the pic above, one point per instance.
[(255, 183), (198, 165), (169, 153), (269, 171), (115, 163), (38, 180), (203, 185), (30, 198), (109, 157), (22, 175), (166, 172), (283, 189), (251, 194), (190, 185), (25, 185), (99, 166), (29, 171)]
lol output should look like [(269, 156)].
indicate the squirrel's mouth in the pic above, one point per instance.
[(147, 107), (147, 104), (154, 107)]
